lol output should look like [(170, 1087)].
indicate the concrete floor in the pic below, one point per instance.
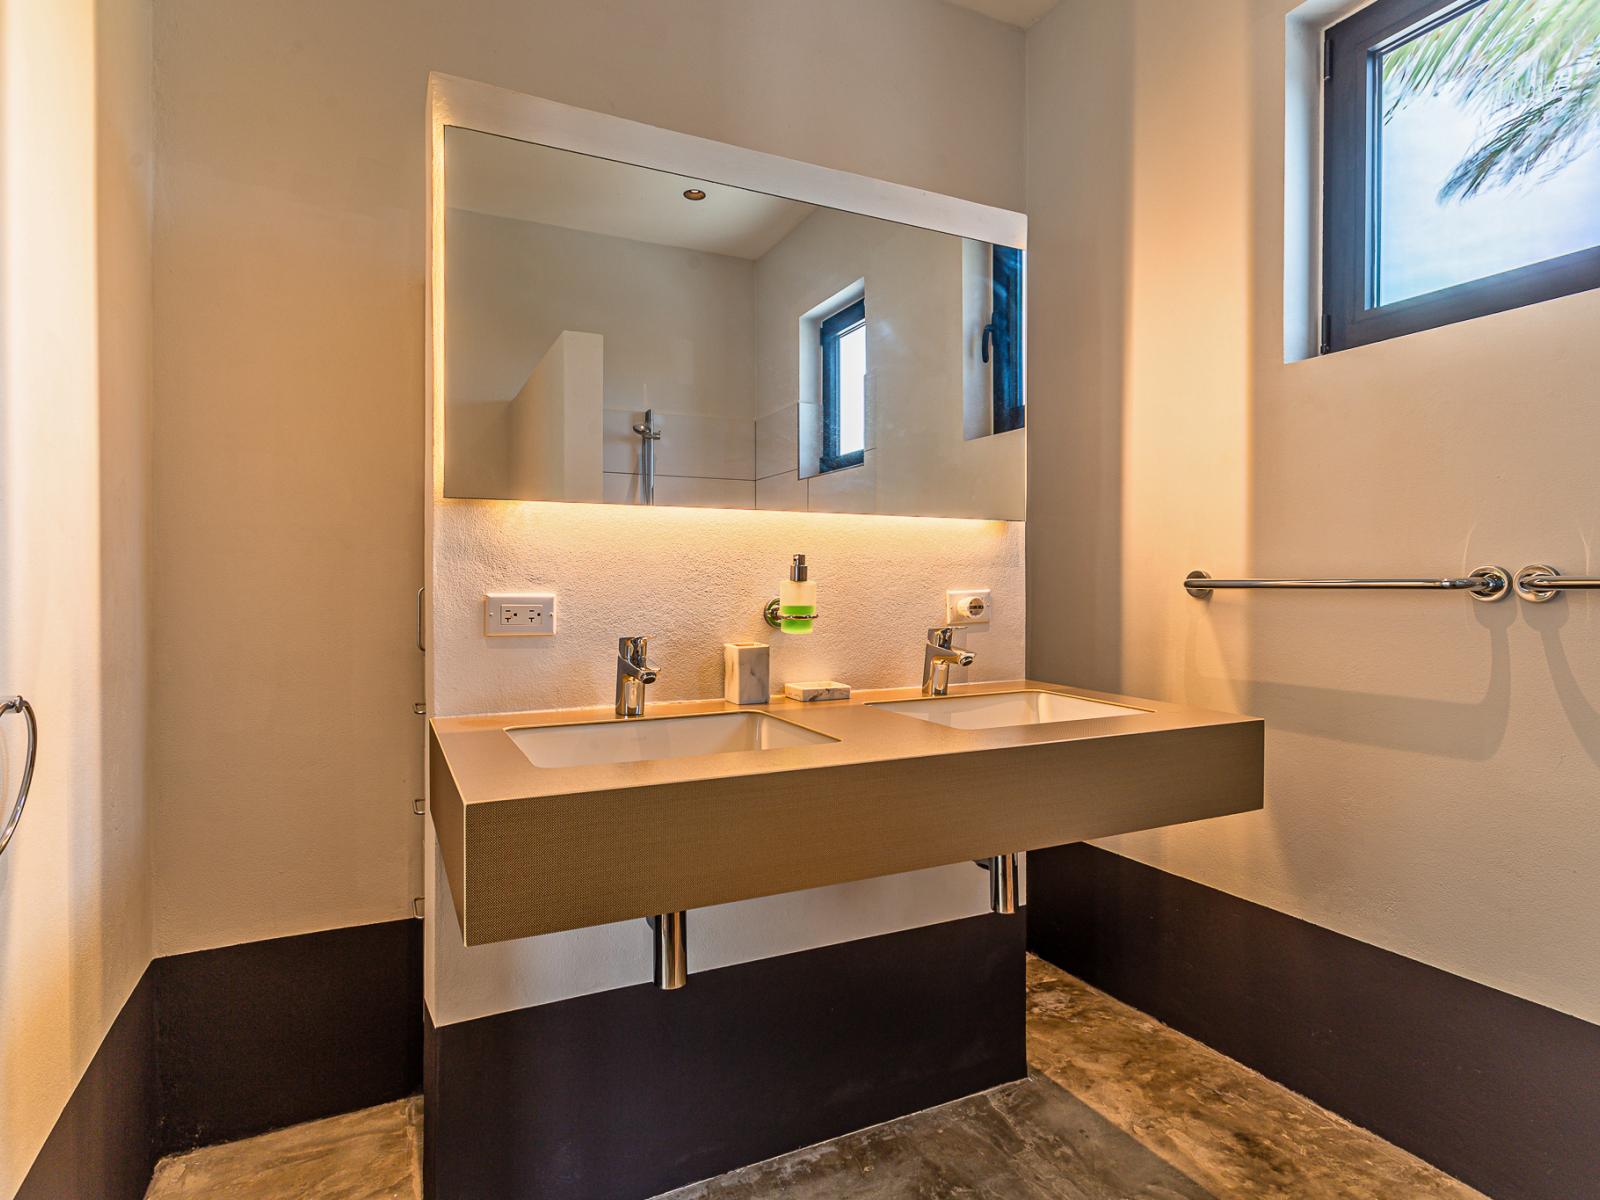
[(374, 1154), (1116, 1107)]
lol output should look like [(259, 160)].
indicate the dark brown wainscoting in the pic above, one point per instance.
[(269, 1034), (629, 1093), (104, 1143), (223, 1044), (1502, 1093)]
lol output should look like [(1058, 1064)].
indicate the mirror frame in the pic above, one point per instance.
[(468, 104)]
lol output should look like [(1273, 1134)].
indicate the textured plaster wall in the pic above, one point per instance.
[(1433, 763), (695, 579)]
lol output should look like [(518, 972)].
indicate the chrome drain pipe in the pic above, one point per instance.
[(1003, 883), (669, 934)]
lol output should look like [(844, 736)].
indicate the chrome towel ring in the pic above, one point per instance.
[(13, 704)]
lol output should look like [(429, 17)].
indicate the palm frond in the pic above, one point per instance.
[(1531, 68)]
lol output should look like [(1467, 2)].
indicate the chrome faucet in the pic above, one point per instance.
[(937, 656), (635, 672)]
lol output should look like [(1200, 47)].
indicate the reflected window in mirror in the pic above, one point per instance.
[(844, 387), (1002, 341)]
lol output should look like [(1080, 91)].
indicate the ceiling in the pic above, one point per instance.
[(527, 182), (1021, 13)]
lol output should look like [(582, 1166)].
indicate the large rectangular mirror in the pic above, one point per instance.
[(621, 334)]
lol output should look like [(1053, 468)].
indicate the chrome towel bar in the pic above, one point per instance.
[(1539, 583), (1485, 583), (9, 705)]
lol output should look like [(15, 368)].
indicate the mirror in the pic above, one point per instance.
[(624, 335)]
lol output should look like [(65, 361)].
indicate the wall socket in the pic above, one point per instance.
[(519, 614), (967, 606)]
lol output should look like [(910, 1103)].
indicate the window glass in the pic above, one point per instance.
[(1005, 339), (853, 390), (844, 388), (1489, 155)]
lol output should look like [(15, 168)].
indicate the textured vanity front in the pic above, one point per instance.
[(531, 851)]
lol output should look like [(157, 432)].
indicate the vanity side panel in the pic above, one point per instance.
[(448, 813), (692, 845)]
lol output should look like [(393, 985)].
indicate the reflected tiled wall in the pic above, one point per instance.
[(778, 482), (789, 437), (721, 462), (701, 462)]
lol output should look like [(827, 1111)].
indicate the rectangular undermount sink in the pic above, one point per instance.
[(643, 739), (1001, 710)]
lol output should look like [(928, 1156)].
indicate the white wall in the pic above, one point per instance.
[(74, 423), (677, 322), (555, 423), (1433, 763), (478, 460), (679, 339), (290, 410)]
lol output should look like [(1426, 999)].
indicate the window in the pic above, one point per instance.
[(1462, 168), (1004, 336), (844, 388)]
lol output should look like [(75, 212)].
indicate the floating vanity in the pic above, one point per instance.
[(559, 820), (627, 324)]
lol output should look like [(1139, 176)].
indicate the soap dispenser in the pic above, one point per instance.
[(795, 609)]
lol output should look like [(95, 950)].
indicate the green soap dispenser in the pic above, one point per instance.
[(797, 599)]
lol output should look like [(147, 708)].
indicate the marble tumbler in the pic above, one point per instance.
[(746, 672)]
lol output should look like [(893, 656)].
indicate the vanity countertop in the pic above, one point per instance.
[(532, 850)]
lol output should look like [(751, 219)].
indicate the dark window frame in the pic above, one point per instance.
[(1003, 335), (832, 329), (1352, 121)]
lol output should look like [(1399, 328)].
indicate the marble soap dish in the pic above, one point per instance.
[(826, 689)]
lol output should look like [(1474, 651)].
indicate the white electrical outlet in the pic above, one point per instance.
[(517, 614), (967, 606)]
